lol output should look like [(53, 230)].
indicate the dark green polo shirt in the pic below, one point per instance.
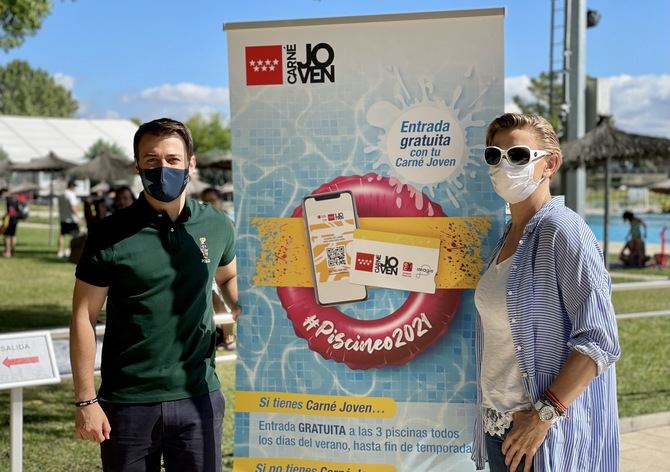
[(160, 339)]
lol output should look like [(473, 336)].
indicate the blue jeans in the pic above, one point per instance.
[(496, 457), (187, 433)]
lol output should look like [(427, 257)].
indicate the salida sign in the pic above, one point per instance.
[(278, 64), (27, 359)]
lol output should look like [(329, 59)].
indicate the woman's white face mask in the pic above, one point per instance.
[(514, 183)]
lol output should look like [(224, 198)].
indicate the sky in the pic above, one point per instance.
[(145, 59)]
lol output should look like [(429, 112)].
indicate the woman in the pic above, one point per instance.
[(636, 256), (547, 336)]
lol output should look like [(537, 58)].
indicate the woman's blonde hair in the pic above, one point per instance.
[(540, 128)]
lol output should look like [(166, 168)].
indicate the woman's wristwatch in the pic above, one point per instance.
[(547, 410)]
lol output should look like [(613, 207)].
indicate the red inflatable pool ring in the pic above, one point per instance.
[(396, 338)]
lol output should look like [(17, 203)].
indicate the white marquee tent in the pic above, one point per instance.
[(25, 137)]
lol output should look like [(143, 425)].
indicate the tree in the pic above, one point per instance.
[(211, 139), (213, 175), (21, 18), (33, 92), (101, 147), (3, 155), (540, 88), (208, 133)]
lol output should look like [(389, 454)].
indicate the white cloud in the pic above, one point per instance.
[(516, 86), (64, 80), (186, 92), (111, 114), (641, 104), (179, 101)]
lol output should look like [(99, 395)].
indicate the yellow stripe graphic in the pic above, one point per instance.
[(288, 464), (395, 238), (312, 404), (284, 260)]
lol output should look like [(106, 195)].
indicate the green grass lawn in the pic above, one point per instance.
[(49, 444), (619, 280), (640, 300), (36, 287), (643, 372), (36, 293), (658, 271), (616, 268)]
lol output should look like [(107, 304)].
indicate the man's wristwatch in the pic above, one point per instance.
[(547, 411)]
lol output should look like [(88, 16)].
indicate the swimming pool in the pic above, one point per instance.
[(618, 228)]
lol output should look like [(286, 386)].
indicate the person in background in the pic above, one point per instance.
[(12, 216), (153, 263), (95, 208), (226, 332), (123, 198), (68, 209), (636, 256), (546, 334)]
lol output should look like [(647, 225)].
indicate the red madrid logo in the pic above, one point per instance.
[(264, 65), (364, 261), (407, 266)]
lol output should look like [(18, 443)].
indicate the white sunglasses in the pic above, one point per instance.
[(516, 155)]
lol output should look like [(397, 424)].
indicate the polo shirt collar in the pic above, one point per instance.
[(160, 218), (558, 201)]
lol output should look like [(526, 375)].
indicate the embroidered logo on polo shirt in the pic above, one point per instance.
[(204, 250)]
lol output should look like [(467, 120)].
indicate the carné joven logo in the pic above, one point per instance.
[(277, 64), (364, 261)]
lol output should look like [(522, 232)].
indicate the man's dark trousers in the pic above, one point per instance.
[(187, 433)]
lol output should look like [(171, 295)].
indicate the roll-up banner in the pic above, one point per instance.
[(364, 218)]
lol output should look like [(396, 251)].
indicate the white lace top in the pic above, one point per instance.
[(501, 383)]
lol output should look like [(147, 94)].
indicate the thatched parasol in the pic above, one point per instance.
[(215, 160), (105, 167), (24, 187), (606, 143), (661, 187), (4, 167), (100, 187), (50, 163)]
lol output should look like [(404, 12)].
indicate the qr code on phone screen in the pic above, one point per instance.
[(335, 256)]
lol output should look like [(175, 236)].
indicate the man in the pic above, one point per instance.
[(154, 263), (12, 221), (225, 333), (68, 209), (123, 198)]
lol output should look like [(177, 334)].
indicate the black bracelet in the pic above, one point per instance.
[(544, 398), (86, 402)]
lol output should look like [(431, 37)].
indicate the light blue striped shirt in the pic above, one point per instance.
[(558, 300)]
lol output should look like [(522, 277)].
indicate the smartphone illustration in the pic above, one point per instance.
[(330, 220)]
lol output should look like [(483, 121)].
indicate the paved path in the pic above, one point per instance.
[(646, 451)]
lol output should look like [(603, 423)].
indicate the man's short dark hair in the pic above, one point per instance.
[(215, 191), (164, 127), (628, 215), (3, 190), (71, 184)]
